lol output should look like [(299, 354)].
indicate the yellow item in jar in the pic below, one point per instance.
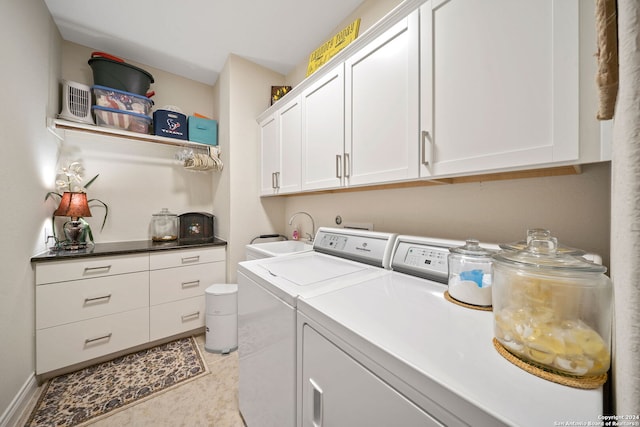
[(577, 365), (589, 341), (601, 362), (540, 355), (569, 346)]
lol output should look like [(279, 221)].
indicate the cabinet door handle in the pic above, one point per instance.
[(101, 269), (347, 173), (191, 284), (317, 403), (189, 259), (103, 337), (95, 299), (426, 138), (273, 180), (338, 166), (277, 179), (186, 317)]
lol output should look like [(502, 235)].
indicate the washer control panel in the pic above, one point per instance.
[(369, 247)]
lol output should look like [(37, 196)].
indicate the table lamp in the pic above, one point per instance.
[(75, 206)]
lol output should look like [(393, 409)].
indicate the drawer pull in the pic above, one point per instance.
[(96, 299), (192, 284), (186, 317), (104, 337), (189, 259), (101, 269)]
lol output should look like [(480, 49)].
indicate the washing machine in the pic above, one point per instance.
[(268, 293), (393, 350)]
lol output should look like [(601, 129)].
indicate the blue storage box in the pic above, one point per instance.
[(121, 119), (119, 100), (170, 124), (203, 130)]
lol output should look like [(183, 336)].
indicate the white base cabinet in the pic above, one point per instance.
[(89, 307), (177, 282)]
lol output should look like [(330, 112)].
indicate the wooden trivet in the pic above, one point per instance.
[(589, 382), (464, 304)]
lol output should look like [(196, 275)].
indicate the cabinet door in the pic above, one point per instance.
[(499, 83), (382, 97), (338, 391), (269, 155), (290, 127), (323, 132)]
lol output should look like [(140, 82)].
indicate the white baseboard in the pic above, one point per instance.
[(20, 403)]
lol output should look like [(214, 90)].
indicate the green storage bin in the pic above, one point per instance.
[(202, 130)]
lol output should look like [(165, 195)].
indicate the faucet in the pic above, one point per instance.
[(313, 225)]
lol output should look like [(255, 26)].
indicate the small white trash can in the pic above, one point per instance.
[(222, 318)]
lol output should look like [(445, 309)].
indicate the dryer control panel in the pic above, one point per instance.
[(425, 257), (421, 259)]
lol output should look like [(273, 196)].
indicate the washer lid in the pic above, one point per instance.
[(310, 270)]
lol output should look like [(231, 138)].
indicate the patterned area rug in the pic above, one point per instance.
[(99, 390)]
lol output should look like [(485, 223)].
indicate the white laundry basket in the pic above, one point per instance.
[(221, 318)]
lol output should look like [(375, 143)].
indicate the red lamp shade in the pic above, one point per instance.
[(73, 205)]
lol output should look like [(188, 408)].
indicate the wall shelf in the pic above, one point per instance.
[(99, 130)]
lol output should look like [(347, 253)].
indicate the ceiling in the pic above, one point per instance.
[(193, 38)]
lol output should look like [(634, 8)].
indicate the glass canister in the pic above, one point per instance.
[(553, 309), (470, 273), (537, 233), (164, 226)]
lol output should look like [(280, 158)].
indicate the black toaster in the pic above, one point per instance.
[(196, 227)]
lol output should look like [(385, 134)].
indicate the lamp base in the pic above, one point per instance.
[(72, 246), (74, 231)]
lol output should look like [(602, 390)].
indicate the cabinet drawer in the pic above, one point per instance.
[(176, 317), (85, 268), (183, 282), (180, 258), (80, 341), (60, 303)]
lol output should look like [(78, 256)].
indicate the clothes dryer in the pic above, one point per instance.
[(394, 349)]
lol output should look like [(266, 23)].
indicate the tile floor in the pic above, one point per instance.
[(209, 401)]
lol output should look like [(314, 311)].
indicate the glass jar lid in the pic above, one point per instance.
[(472, 248), (542, 253), (164, 212), (539, 233)]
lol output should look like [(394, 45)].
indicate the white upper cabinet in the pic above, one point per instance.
[(290, 128), (280, 135), (499, 85), (382, 107), (443, 88), (323, 132), (269, 155)]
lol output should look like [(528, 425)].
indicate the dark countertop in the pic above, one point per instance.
[(123, 248)]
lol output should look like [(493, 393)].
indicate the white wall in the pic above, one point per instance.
[(245, 89), (30, 68), (369, 12)]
